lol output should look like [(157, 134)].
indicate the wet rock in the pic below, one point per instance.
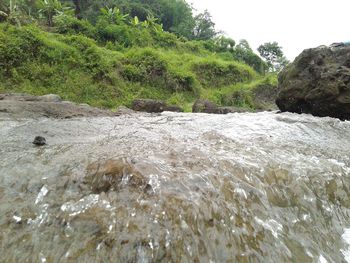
[(153, 106), (317, 82), (39, 141), (103, 176), (173, 108), (226, 110), (205, 106), (124, 110)]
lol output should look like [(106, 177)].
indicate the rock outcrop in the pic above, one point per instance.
[(205, 106), (20, 105), (317, 82), (153, 106)]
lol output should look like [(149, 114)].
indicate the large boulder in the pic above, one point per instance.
[(153, 106), (317, 82)]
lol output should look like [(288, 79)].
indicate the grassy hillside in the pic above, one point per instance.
[(76, 64)]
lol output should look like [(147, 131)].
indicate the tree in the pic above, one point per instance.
[(77, 8), (10, 12), (50, 8), (244, 45), (176, 16), (224, 44), (273, 55), (204, 27), (243, 52), (113, 15)]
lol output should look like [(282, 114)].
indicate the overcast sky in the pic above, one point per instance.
[(294, 24)]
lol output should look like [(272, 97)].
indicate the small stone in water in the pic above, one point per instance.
[(39, 141)]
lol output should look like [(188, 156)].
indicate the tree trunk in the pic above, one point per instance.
[(77, 5)]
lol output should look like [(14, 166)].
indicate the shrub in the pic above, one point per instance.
[(17, 45), (165, 39), (119, 34), (214, 73), (192, 46), (145, 66), (66, 24), (181, 81), (150, 67), (250, 58), (239, 98)]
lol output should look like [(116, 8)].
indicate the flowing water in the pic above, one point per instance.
[(261, 187)]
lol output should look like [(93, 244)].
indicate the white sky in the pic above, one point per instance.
[(294, 24)]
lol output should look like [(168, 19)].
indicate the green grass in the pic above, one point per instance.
[(240, 94), (82, 70)]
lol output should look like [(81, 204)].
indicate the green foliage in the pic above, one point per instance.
[(175, 15), (224, 44), (66, 24), (145, 66), (113, 15), (49, 8), (13, 12), (17, 46), (215, 73), (273, 55), (252, 95), (204, 28), (244, 53), (150, 67), (123, 57)]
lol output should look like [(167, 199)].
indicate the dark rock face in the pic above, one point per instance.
[(205, 106), (153, 106), (317, 82)]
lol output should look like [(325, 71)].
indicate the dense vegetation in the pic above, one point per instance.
[(107, 53)]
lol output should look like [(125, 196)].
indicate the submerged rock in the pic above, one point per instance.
[(317, 82), (153, 106), (103, 176)]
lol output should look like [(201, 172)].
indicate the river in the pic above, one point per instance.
[(176, 187)]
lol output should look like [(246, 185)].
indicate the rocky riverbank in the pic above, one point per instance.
[(21, 105)]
